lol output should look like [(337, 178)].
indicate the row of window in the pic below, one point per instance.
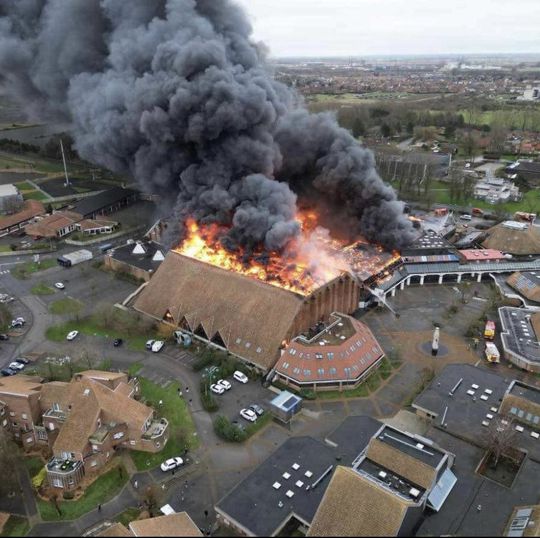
[(524, 415)]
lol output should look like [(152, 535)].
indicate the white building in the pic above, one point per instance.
[(531, 93), (496, 190), (10, 199)]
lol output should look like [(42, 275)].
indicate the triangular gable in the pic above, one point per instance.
[(218, 340), (168, 316), (158, 256), (199, 331), (139, 249)]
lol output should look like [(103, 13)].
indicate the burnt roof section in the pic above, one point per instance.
[(255, 502), (98, 202)]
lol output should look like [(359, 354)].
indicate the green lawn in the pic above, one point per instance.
[(25, 186), (261, 422), (175, 410), (15, 526), (90, 326), (33, 465), (5, 248), (100, 491), (26, 269), (127, 516), (42, 289), (65, 307), (35, 195)]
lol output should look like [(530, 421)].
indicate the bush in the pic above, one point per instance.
[(227, 431), (207, 398), (37, 481), (308, 394), (68, 495)]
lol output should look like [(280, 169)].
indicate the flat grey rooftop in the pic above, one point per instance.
[(255, 503), (519, 335), (524, 391)]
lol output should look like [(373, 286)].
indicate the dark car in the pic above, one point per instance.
[(22, 360), (118, 342), (7, 371), (4, 337), (256, 409)]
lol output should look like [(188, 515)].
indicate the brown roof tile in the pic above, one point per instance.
[(116, 529), (172, 525), (31, 209), (354, 506)]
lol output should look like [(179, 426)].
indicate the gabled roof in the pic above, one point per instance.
[(92, 204), (354, 506), (526, 283), (20, 385), (179, 524), (31, 209), (513, 241), (252, 318)]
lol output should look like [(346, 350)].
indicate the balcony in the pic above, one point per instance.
[(156, 430), (63, 466)]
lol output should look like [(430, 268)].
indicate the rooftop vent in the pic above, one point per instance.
[(413, 492), (276, 485), (290, 494), (295, 466), (286, 476)]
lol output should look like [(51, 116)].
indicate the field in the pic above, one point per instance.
[(511, 119), (175, 410), (24, 270)]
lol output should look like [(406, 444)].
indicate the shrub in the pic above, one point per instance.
[(68, 495), (227, 431), (37, 481), (308, 394), (207, 398)]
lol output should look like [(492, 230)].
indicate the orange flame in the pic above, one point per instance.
[(309, 261)]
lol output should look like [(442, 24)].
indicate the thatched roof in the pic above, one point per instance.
[(252, 318), (513, 241)]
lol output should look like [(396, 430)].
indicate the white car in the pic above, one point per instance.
[(248, 414), (225, 384), (239, 376), (16, 366), (72, 335), (157, 346), (217, 389), (59, 285), (172, 463), (149, 344)]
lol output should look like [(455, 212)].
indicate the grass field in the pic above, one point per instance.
[(35, 195), (67, 306), (25, 186), (26, 269), (509, 118), (33, 465), (127, 516), (15, 526), (42, 289), (175, 410), (99, 492)]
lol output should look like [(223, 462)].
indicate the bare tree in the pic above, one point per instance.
[(499, 438), (9, 459)]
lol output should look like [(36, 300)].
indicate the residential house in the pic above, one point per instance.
[(83, 421), (30, 210)]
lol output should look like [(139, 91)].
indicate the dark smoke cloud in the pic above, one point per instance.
[(175, 93)]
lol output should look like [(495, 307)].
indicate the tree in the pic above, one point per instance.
[(358, 128), (150, 497), (9, 459), (499, 438), (386, 130)]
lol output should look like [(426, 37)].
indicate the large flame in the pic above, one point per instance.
[(309, 261)]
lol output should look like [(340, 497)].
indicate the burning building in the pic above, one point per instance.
[(253, 306)]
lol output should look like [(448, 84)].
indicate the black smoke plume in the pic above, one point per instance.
[(177, 94)]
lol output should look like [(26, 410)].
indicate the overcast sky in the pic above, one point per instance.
[(361, 27)]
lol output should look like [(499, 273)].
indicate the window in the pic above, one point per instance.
[(513, 410), (318, 355), (285, 365), (11, 414), (292, 351), (296, 370), (330, 355), (93, 464), (132, 442), (332, 371), (24, 416), (529, 417), (307, 373), (55, 407), (41, 434), (4, 422), (320, 371), (521, 413), (2, 412), (51, 426), (536, 419)]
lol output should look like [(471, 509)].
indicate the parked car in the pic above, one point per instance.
[(225, 384), (118, 342), (241, 377), (21, 320), (157, 346), (465, 217), (172, 463), (22, 360), (248, 414), (257, 409), (149, 344), (7, 299), (59, 285), (16, 324), (72, 335), (16, 366), (217, 389), (8, 371), (4, 337)]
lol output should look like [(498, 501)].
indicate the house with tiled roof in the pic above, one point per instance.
[(337, 354), (83, 421), (30, 210)]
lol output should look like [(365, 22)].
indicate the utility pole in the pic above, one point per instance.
[(66, 184)]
